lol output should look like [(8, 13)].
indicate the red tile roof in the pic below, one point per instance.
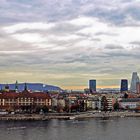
[(25, 94)]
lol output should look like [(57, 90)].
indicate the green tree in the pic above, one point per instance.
[(125, 95), (45, 109), (116, 106), (104, 103), (37, 110)]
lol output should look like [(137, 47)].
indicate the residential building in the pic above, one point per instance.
[(130, 103)]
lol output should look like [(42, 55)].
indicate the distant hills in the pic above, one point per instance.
[(33, 87)]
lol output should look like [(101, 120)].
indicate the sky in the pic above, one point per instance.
[(68, 42)]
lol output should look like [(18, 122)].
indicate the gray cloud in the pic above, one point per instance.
[(106, 33), (135, 43), (114, 47), (114, 12)]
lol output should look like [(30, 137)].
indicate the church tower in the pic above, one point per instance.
[(16, 86)]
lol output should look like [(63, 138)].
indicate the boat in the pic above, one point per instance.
[(71, 117)]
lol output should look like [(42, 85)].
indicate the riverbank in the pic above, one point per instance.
[(37, 117)]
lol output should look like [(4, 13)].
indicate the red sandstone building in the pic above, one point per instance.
[(24, 101)]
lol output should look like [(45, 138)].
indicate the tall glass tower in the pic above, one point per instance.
[(134, 81), (92, 85), (124, 85)]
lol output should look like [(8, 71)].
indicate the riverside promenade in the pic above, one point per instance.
[(67, 116)]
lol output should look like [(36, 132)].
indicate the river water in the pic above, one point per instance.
[(89, 129)]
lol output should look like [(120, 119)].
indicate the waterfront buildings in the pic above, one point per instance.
[(107, 102), (98, 103), (24, 101), (110, 100), (124, 85), (130, 103), (92, 85), (134, 81), (104, 100)]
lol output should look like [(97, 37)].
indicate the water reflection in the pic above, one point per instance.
[(89, 129)]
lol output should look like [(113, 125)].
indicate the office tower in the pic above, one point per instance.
[(92, 86), (134, 81), (124, 85), (138, 87)]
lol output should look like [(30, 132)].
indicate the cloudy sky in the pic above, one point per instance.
[(68, 42)]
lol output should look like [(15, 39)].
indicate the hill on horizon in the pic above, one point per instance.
[(33, 87)]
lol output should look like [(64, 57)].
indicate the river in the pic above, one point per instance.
[(88, 129)]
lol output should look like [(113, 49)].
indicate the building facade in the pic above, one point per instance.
[(124, 85), (134, 81), (24, 101), (138, 87), (92, 86), (130, 103)]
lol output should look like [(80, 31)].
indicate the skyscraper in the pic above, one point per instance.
[(134, 81), (92, 85), (124, 85)]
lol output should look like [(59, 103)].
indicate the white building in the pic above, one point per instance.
[(134, 81), (130, 103)]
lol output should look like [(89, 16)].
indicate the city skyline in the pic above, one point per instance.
[(68, 43), (123, 84)]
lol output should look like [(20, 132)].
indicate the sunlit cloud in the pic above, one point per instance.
[(29, 37), (28, 26)]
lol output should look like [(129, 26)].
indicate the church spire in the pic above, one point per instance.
[(25, 87), (16, 86)]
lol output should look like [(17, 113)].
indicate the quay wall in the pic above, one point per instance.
[(38, 117)]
